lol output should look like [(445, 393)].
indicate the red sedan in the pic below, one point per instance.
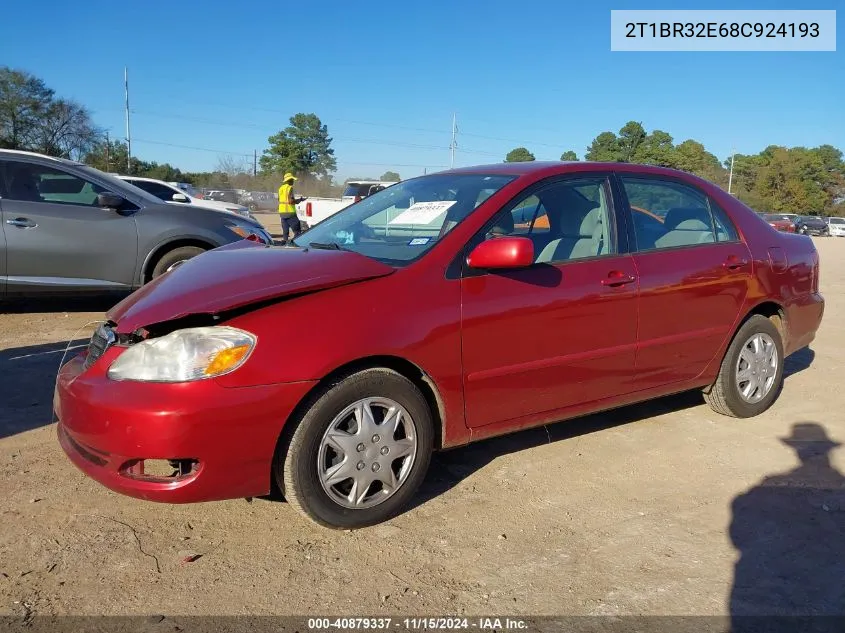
[(440, 311), (781, 222)]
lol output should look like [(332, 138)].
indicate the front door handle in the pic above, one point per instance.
[(617, 278), (22, 223), (734, 263)]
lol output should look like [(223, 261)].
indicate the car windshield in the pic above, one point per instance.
[(837, 220), (401, 223)]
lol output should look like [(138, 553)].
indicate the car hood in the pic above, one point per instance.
[(237, 275), (215, 204)]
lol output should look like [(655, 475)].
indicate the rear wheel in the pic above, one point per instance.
[(359, 453), (751, 375), (174, 258)]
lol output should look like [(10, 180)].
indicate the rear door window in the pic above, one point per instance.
[(353, 190), (670, 214)]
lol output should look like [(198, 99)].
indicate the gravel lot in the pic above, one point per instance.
[(621, 513)]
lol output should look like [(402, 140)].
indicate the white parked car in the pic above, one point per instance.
[(173, 194), (314, 210), (836, 226)]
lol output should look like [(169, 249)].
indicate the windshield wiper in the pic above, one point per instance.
[(328, 246)]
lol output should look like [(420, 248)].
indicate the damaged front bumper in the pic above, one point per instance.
[(174, 443)]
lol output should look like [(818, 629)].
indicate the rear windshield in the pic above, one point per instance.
[(358, 189)]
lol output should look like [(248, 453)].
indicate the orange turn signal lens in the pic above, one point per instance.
[(226, 360), (240, 231)]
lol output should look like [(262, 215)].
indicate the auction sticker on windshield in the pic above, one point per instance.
[(422, 212)]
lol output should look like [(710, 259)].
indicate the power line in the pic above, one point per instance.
[(512, 140), (256, 126), (368, 141), (198, 149), (343, 120), (251, 154)]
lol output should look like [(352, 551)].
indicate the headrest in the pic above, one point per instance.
[(676, 215), (692, 225), (591, 222)]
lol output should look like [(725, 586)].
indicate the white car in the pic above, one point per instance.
[(172, 194), (836, 226), (314, 210)]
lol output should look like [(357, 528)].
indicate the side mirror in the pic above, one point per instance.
[(109, 200), (502, 253), (180, 197)]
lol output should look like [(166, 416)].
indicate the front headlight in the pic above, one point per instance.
[(248, 232), (185, 355)]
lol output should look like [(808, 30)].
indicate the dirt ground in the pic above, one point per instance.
[(628, 512)]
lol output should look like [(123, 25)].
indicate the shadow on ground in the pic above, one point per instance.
[(449, 468), (798, 362), (26, 389), (50, 305), (790, 533)]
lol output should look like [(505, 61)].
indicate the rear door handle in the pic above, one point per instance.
[(617, 278), (22, 223), (734, 263)]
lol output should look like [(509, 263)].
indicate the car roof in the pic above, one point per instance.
[(20, 152), (143, 179), (559, 167)]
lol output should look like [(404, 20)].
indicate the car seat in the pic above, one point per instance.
[(589, 240), (686, 226)]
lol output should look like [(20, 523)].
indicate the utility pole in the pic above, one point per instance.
[(108, 147), (254, 163), (454, 143), (128, 135), (731, 175)]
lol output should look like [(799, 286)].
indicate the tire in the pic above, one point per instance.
[(305, 453), (724, 395), (174, 257)]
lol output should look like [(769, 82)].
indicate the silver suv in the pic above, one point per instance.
[(69, 227)]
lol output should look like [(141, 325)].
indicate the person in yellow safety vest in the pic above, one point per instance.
[(287, 208)]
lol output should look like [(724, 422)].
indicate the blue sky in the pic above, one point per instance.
[(387, 76)]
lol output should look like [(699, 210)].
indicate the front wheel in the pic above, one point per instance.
[(360, 451), (174, 258), (751, 375)]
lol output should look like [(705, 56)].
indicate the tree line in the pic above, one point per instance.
[(778, 179), (787, 179)]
